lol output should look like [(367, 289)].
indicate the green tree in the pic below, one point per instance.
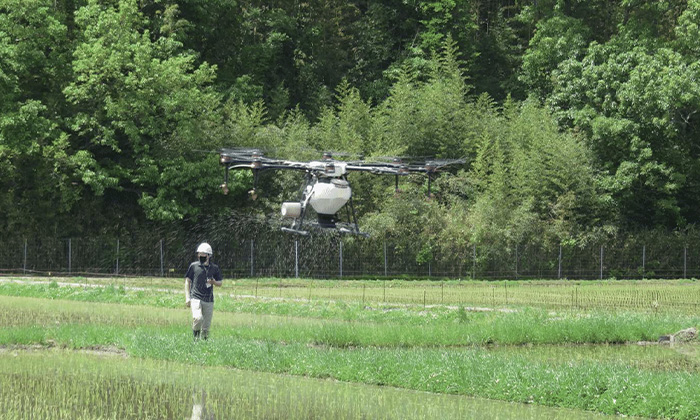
[(554, 175), (556, 40), (346, 127), (637, 107), (426, 117), (527, 183), (141, 110), (35, 169)]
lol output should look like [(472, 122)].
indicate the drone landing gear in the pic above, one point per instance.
[(354, 231), (341, 230), (295, 231)]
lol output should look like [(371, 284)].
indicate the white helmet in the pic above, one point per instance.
[(205, 248)]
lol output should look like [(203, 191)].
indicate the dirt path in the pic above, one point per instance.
[(104, 351)]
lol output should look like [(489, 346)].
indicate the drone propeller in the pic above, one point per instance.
[(404, 159), (242, 151), (331, 154), (328, 154), (242, 157), (255, 160), (240, 154), (431, 166), (399, 166)]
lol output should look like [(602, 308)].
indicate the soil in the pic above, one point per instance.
[(105, 351)]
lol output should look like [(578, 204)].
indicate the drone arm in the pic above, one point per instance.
[(265, 166), (240, 166), (376, 169), (292, 165), (303, 211)]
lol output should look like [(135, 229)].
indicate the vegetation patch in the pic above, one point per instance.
[(528, 355)]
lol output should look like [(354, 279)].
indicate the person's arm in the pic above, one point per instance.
[(188, 286), (217, 278)]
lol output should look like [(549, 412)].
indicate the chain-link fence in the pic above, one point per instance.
[(277, 254)]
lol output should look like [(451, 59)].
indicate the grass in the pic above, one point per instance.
[(677, 296), (610, 388), (347, 328), (71, 385), (442, 349)]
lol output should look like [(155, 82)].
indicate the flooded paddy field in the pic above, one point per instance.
[(112, 351), (65, 384)]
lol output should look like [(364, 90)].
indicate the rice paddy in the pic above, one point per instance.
[(637, 295), (69, 385), (122, 348)]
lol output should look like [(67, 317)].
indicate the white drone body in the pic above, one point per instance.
[(326, 198)]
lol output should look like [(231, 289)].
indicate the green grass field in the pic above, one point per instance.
[(554, 344), (679, 296)]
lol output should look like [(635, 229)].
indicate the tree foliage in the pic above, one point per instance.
[(577, 119), (138, 101), (637, 106)]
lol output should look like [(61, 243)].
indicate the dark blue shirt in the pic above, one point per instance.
[(199, 273)]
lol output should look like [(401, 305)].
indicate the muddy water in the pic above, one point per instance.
[(63, 384)]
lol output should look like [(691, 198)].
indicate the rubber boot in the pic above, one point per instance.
[(205, 334)]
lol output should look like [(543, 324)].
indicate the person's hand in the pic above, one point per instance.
[(210, 281), (187, 303)]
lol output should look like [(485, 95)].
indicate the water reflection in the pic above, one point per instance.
[(199, 406), (313, 398), (688, 350)]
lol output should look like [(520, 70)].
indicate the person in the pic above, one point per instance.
[(202, 275)]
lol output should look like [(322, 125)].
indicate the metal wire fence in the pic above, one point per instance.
[(276, 254)]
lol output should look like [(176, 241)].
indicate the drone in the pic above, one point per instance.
[(326, 188)]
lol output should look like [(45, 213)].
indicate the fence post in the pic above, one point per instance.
[(296, 258), (24, 269), (474, 264), (341, 258), (70, 255), (161, 259), (117, 270), (685, 262), (252, 260), (386, 266), (644, 261), (516, 262), (601, 262), (559, 273)]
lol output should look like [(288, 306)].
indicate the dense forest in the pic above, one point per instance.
[(578, 119)]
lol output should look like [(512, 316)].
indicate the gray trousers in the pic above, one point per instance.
[(202, 313)]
